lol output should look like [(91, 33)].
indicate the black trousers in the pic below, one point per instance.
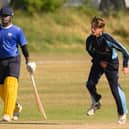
[(9, 67), (111, 73)]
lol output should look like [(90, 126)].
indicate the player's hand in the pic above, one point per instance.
[(103, 64), (125, 70), (31, 67)]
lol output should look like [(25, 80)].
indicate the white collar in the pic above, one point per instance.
[(7, 26)]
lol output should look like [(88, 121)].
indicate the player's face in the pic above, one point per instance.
[(6, 20), (96, 31)]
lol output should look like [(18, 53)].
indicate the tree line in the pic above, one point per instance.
[(36, 5), (51, 5)]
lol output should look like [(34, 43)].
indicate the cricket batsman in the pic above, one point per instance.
[(11, 38)]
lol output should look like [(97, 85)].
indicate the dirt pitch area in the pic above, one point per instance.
[(61, 125)]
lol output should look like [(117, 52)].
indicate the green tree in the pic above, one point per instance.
[(37, 5)]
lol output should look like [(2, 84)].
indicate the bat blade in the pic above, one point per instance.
[(37, 98)]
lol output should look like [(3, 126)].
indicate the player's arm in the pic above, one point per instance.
[(23, 44), (25, 52), (114, 44), (31, 66), (89, 47), (124, 52)]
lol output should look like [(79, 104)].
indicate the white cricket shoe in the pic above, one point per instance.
[(122, 119), (17, 111), (6, 118), (91, 111)]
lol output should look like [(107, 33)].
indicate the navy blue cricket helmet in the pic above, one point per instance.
[(6, 11)]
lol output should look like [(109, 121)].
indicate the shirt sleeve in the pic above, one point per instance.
[(21, 37), (117, 45), (89, 46)]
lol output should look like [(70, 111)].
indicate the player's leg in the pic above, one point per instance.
[(1, 92), (2, 76), (17, 111), (122, 118), (118, 94), (10, 95), (11, 86), (18, 106), (94, 76)]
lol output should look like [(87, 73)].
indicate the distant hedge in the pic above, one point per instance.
[(37, 5)]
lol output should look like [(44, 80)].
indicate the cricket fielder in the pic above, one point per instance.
[(11, 37), (103, 48)]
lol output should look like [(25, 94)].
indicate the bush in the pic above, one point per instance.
[(51, 5), (37, 5)]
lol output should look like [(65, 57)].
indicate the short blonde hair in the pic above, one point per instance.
[(98, 22)]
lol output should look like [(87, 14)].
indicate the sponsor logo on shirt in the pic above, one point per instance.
[(9, 34)]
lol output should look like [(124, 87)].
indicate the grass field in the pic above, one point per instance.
[(60, 81)]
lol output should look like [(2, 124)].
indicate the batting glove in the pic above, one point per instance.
[(31, 67)]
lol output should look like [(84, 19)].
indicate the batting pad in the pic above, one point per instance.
[(2, 92), (10, 95)]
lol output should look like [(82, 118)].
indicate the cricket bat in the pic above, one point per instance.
[(37, 98)]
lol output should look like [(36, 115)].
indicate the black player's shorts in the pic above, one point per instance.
[(9, 67)]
